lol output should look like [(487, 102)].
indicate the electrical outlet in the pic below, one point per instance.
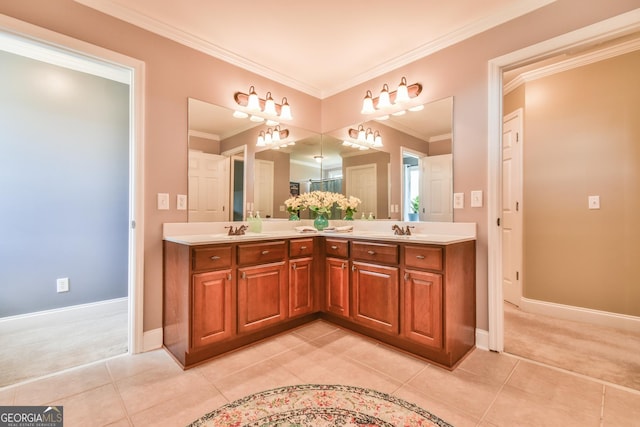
[(181, 202), (163, 201), (62, 285), (594, 202)]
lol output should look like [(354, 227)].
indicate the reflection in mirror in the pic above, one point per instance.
[(222, 148)]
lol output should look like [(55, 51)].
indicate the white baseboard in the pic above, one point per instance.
[(152, 340), (482, 339), (70, 312), (580, 314)]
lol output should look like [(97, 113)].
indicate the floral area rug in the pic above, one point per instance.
[(319, 406)]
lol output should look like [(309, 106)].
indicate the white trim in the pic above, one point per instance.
[(581, 314), (152, 340), (598, 32), (574, 62), (482, 339), (134, 68), (205, 135), (106, 305), (150, 24)]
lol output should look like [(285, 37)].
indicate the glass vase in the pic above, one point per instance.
[(348, 215), (293, 216), (321, 221)]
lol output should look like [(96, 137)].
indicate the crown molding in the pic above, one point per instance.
[(204, 135), (140, 20), (574, 62)]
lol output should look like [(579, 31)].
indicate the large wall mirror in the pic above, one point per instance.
[(423, 141), (230, 174)]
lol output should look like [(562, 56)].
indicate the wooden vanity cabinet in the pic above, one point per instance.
[(337, 294), (301, 272), (262, 285), (374, 286)]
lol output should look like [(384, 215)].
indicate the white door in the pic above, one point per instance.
[(436, 203), (512, 207), (361, 183), (208, 187), (263, 188)]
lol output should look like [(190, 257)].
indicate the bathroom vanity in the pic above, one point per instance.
[(416, 293)]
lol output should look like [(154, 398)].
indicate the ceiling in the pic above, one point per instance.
[(342, 43)]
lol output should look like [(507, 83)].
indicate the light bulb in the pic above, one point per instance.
[(370, 139), (367, 104), (253, 103), (362, 136), (270, 106), (260, 142), (377, 140), (383, 99), (285, 110), (402, 93), (268, 138), (276, 134)]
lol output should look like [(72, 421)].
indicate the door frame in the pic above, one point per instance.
[(94, 59), (601, 31)]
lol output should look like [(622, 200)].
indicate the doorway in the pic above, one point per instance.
[(43, 46)]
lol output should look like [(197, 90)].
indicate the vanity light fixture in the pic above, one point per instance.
[(259, 110), (390, 100), (274, 138), (363, 139)]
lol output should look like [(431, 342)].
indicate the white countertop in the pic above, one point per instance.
[(423, 232)]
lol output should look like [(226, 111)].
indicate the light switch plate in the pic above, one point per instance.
[(163, 201), (458, 200), (594, 202), (181, 202), (476, 199)]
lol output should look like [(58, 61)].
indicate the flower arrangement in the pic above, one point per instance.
[(320, 202), (349, 205), (294, 204)]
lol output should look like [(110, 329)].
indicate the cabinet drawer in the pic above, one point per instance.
[(379, 252), (211, 258), (337, 247), (259, 253), (425, 257), (301, 247)]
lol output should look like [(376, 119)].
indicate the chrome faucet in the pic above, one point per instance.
[(239, 231)]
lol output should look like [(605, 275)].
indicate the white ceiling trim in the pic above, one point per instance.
[(189, 40), (575, 62)]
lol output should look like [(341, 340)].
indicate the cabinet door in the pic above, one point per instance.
[(300, 286), (337, 286), (375, 296), (262, 296), (213, 309), (423, 308)]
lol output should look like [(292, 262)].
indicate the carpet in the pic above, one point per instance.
[(319, 406)]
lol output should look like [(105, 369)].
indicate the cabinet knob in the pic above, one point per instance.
[(265, 252), (371, 252), (353, 268), (244, 275), (334, 247), (406, 276), (420, 256), (215, 258), (294, 266), (229, 277), (343, 265)]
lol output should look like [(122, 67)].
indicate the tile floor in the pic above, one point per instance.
[(487, 389)]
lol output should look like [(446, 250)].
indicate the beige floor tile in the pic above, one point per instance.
[(621, 408), (464, 390), (560, 390), (492, 367), (442, 410), (259, 377), (156, 386), (62, 385), (393, 363), (315, 329), (228, 364), (339, 341), (120, 423), (127, 366), (7, 396), (97, 407), (276, 345), (181, 409), (515, 407)]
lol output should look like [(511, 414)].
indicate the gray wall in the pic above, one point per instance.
[(64, 172)]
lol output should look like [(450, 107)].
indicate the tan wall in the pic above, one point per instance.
[(205, 145), (174, 73), (581, 138)]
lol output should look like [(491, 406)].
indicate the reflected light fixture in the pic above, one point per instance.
[(273, 138), (363, 139), (258, 110), (318, 159), (390, 100)]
